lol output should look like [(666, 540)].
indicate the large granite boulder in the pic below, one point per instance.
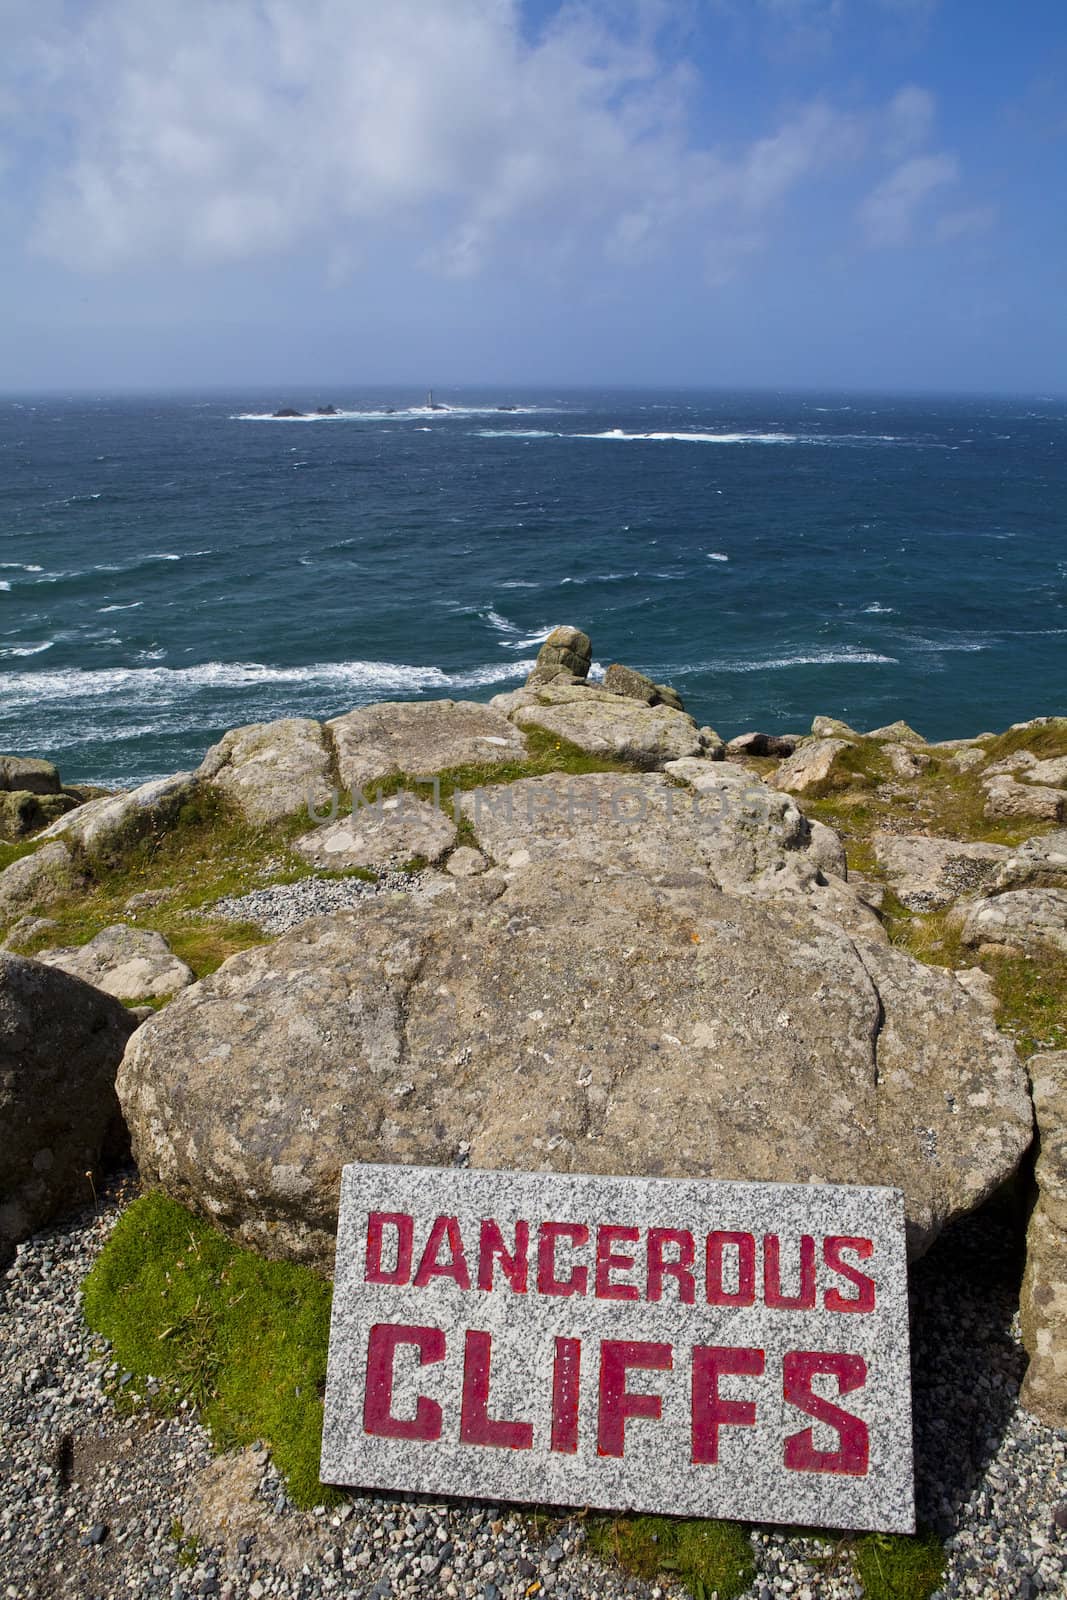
[(387, 833), (1007, 798), (928, 873), (1032, 920), (614, 727), (102, 829), (1038, 863), (271, 769), (813, 766), (37, 879), (417, 737), (29, 773), (129, 963), (575, 1021), (1043, 1299), (60, 1045), (24, 811), (1052, 772), (567, 652), (635, 686)]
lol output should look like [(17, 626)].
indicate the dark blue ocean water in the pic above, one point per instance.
[(172, 567)]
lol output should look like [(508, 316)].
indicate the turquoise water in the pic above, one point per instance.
[(172, 567)]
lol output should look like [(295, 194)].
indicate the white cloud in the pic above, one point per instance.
[(890, 212), (909, 120), (965, 223), (221, 130)]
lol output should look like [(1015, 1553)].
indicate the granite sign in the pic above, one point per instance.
[(713, 1349)]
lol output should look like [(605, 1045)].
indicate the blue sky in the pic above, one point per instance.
[(821, 193)]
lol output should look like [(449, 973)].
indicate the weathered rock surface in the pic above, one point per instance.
[(387, 833), (578, 1022), (271, 769), (1052, 772), (466, 862), (1039, 863), (927, 873), (897, 732), (1034, 920), (104, 828), (635, 686), (30, 774), (1043, 1298), (810, 766), (826, 849), (1006, 798), (60, 1046), (23, 812), (567, 651), (907, 762), (832, 728), (967, 760), (37, 879), (417, 737), (129, 963), (612, 727), (26, 928)]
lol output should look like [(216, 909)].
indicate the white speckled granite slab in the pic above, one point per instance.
[(691, 1347)]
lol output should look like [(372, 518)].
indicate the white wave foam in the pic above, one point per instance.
[(601, 577), (4, 584), (717, 555), (399, 414), (519, 583), (879, 610), (514, 433), (164, 686), (26, 649), (19, 566), (131, 605), (819, 658), (618, 435)]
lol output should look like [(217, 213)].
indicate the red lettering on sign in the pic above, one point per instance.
[(382, 1345), (833, 1299), (491, 1248), (445, 1230), (710, 1411), (799, 1368), (547, 1282), (617, 1357), (375, 1272), (680, 1269), (566, 1371), (608, 1234), (804, 1300), (476, 1426), (745, 1293)]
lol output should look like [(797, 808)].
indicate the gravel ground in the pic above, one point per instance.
[(98, 1503), (282, 906)]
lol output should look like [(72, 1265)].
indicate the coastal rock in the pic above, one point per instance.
[(968, 760), (566, 650), (928, 873), (635, 686), (30, 774), (129, 963), (905, 762), (1038, 863), (614, 728), (26, 928), (419, 737), (60, 1045), (1043, 1298), (499, 1031), (1006, 798), (1032, 920), (832, 728), (810, 767), (466, 862), (1052, 772), (713, 746), (271, 769), (897, 733), (387, 833), (761, 744), (979, 985), (22, 811), (826, 850), (38, 879), (103, 828)]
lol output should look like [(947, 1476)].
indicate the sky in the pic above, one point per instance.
[(768, 193)]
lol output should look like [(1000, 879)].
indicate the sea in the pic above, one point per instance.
[(174, 566)]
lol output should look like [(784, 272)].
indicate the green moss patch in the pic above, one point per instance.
[(242, 1338), (707, 1557), (892, 1567)]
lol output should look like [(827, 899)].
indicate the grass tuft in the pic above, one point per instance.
[(709, 1558), (243, 1339), (899, 1567)]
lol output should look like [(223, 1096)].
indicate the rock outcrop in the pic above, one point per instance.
[(1038, 863), (22, 811), (1032, 920), (577, 1021), (37, 879), (1043, 1299), (567, 653), (812, 766), (271, 769), (29, 774), (635, 686), (929, 873), (416, 737), (60, 1045), (129, 963), (387, 833), (1007, 798), (612, 726), (102, 829)]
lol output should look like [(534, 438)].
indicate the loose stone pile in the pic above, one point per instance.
[(100, 1499)]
